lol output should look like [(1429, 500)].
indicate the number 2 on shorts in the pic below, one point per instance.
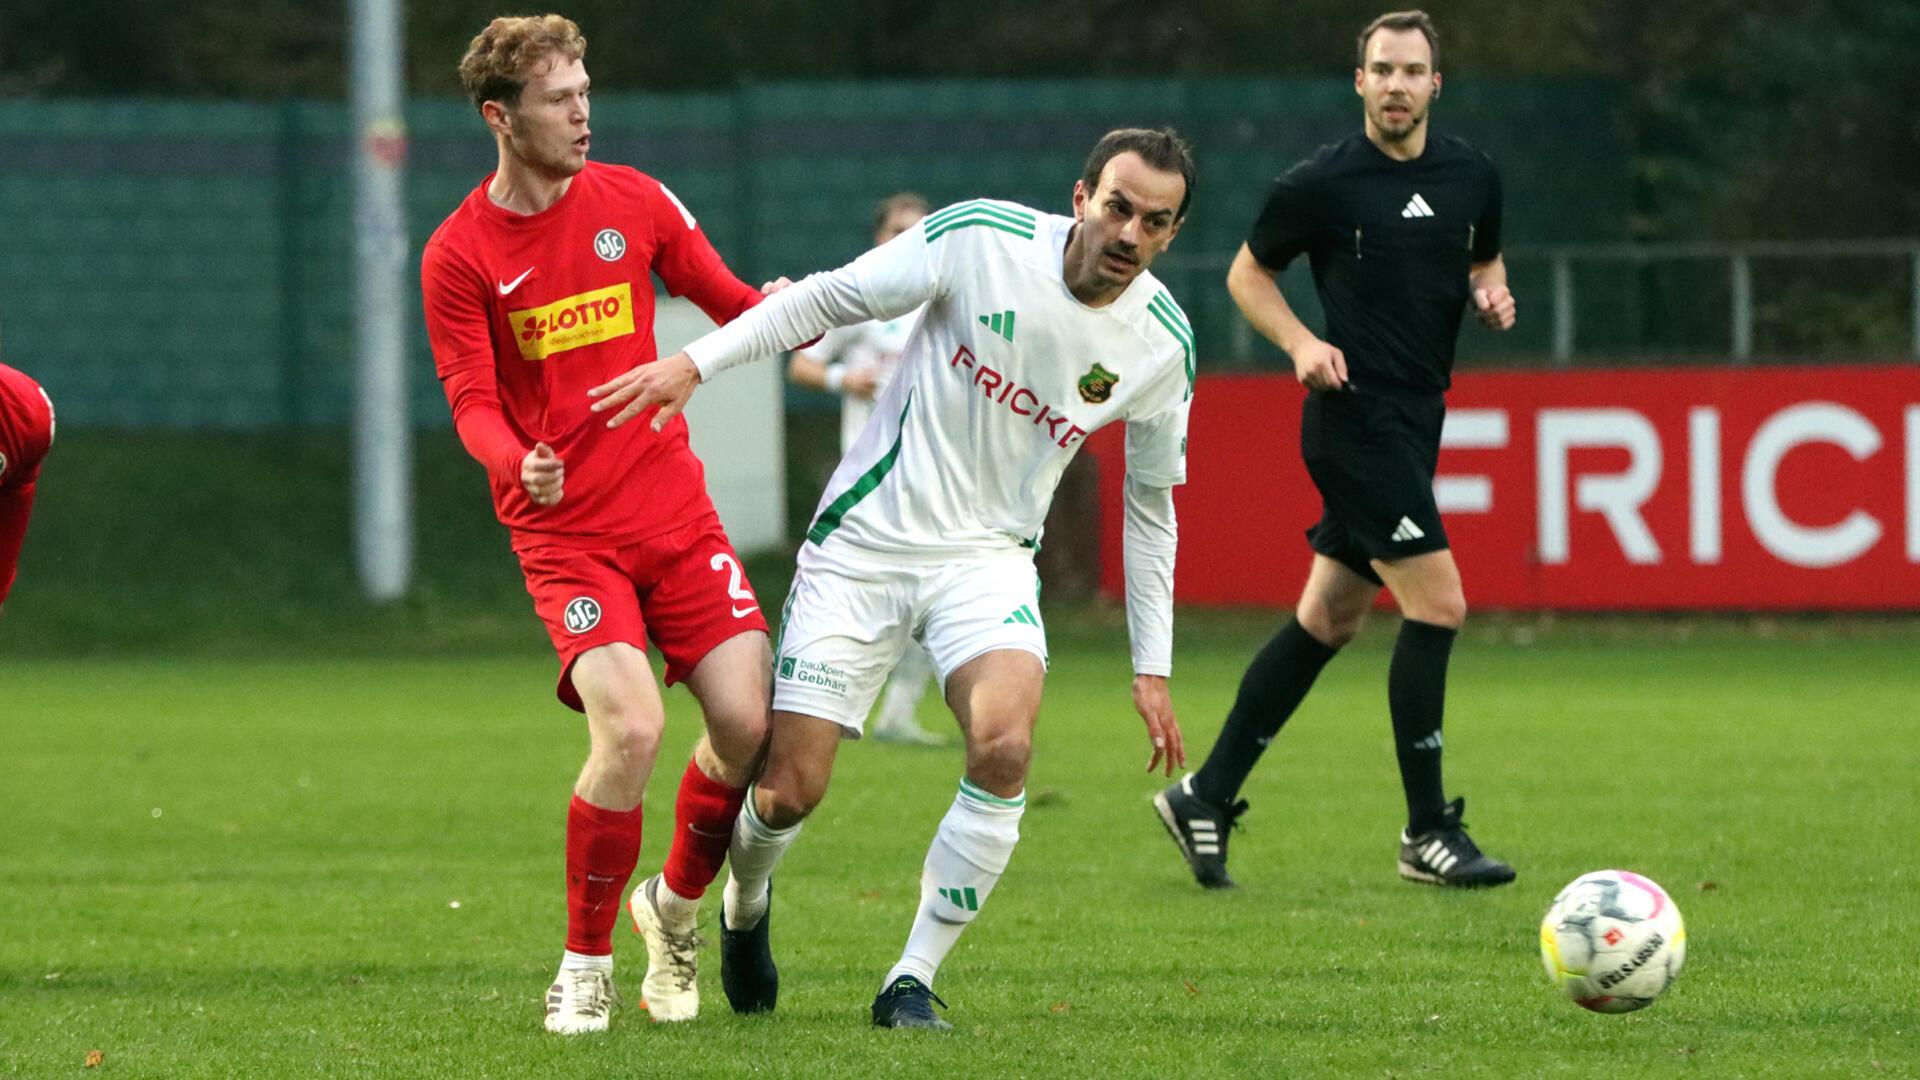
[(736, 584)]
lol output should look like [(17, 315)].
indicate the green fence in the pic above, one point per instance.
[(186, 265)]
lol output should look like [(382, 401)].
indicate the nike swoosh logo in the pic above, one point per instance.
[(698, 831), (743, 612), (508, 286)]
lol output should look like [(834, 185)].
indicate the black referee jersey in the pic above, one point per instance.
[(1390, 243)]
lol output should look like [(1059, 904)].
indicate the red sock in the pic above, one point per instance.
[(602, 848), (702, 828)]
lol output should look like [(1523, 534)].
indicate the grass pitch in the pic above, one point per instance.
[(352, 868)]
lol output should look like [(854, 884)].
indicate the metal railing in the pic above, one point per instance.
[(1562, 263), (1739, 259)]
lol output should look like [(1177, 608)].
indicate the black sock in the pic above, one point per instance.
[(1281, 674), (1417, 696)]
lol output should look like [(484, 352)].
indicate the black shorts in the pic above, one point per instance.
[(1373, 456)]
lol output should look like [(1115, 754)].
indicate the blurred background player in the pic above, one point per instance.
[(1039, 330), (1402, 229), (26, 434), (855, 363), (537, 288)]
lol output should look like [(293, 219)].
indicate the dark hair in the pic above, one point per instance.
[(1400, 20), (896, 202), (1161, 148)]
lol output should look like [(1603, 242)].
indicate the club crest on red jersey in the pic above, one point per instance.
[(582, 614), (609, 244)]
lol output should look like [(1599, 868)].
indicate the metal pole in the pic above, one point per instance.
[(1562, 309), (1742, 306), (382, 446)]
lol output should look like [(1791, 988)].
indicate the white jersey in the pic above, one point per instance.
[(873, 347), (1003, 378)]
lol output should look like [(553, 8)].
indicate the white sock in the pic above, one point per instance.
[(678, 912), (751, 857), (908, 683), (573, 961), (967, 857)]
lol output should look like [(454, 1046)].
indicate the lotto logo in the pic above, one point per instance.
[(582, 614), (575, 321)]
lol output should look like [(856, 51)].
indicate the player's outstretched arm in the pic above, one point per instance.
[(1318, 365), (1149, 539), (1492, 299), (888, 281)]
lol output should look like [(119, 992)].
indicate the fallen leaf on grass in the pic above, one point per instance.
[(95, 1057), (1191, 988), (1706, 886), (1059, 1007)]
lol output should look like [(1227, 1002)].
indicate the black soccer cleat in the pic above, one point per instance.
[(1448, 856), (908, 1003), (1200, 830), (747, 971)]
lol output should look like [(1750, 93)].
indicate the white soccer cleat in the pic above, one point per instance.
[(671, 991), (580, 1001)]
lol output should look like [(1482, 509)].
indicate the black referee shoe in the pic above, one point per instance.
[(1200, 830), (747, 972), (1448, 856), (908, 1003)]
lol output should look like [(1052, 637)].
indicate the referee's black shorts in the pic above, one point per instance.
[(1372, 456)]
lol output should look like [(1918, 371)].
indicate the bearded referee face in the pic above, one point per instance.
[(1397, 82), (546, 130)]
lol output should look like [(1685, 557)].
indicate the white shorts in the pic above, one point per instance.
[(848, 618)]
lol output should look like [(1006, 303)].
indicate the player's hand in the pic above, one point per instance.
[(543, 474), (1496, 307), (1154, 703), (667, 383), (1320, 366), (859, 384), (775, 285)]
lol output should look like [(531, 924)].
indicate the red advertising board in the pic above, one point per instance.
[(1727, 488)]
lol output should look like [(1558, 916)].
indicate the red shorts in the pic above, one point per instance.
[(684, 589)]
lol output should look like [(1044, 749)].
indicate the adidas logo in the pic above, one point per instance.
[(1022, 614), (964, 899), (1417, 207), (1407, 531), (1438, 857), (1000, 323), (1206, 836), (1431, 742)]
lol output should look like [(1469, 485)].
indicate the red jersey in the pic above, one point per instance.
[(26, 432), (526, 312)]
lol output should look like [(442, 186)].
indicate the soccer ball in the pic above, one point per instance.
[(1612, 941)]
